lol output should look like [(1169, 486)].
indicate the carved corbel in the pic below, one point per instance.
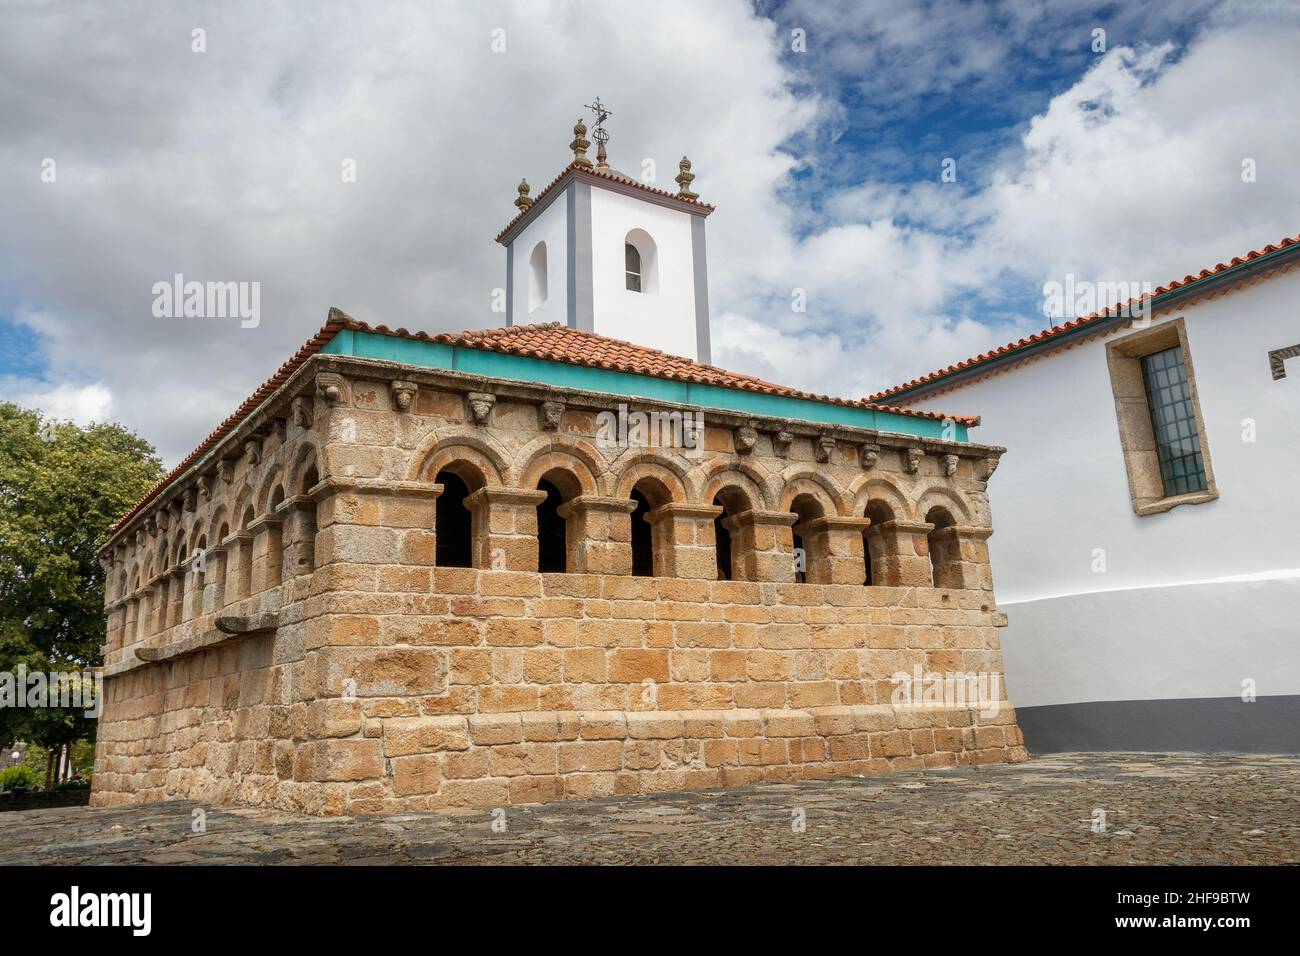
[(781, 443), (329, 386), (300, 409), (745, 438), (205, 485), (868, 455), (190, 500), (403, 395), (549, 414), (949, 465), (987, 468), (226, 470), (151, 524), (824, 448), (253, 450), (912, 460), (281, 428), (480, 406)]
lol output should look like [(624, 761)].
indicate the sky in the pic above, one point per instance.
[(895, 182)]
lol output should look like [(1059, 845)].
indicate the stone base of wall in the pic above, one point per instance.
[(493, 688), (500, 759)]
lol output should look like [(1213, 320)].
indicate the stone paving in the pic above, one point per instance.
[(1160, 808)]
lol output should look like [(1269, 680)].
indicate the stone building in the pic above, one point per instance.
[(537, 562)]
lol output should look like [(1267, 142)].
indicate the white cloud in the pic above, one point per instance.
[(82, 404), (225, 165)]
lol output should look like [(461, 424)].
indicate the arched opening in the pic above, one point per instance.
[(876, 571), (651, 544), (199, 568), (304, 538), (643, 556), (552, 546), (244, 581), (275, 540), (641, 262), (809, 563), (733, 502), (453, 523), (537, 277), (941, 561), (219, 570)]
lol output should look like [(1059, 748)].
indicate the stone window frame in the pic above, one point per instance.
[(1133, 415)]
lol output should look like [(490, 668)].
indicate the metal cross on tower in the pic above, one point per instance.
[(600, 134)]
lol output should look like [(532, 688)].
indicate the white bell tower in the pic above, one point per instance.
[(600, 251)]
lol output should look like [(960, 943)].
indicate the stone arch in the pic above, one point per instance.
[(582, 465), (944, 497), (216, 522), (307, 459), (273, 480), (486, 453), (243, 503), (661, 469), (870, 488), (470, 465), (814, 484), (724, 473)]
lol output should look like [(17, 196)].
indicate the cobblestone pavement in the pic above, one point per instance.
[(1160, 808)]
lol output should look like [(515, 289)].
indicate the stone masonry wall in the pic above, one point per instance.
[(280, 633)]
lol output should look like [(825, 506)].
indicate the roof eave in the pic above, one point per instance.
[(1164, 302)]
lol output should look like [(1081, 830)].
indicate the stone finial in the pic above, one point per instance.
[(868, 455), (580, 144), (480, 406), (825, 446), (403, 394), (524, 200), (745, 438), (912, 461), (781, 444), (549, 415), (684, 179), (949, 465)]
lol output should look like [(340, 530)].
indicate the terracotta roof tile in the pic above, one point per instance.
[(1095, 318)]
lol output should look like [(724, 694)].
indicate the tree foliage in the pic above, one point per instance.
[(62, 487)]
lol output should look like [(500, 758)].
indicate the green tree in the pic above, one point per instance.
[(61, 489)]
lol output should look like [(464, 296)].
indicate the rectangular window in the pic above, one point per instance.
[(1173, 422), (1161, 428)]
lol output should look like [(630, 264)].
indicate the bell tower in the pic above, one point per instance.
[(602, 251)]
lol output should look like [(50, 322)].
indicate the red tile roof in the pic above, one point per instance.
[(559, 343), (597, 173), (550, 341), (1096, 318)]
